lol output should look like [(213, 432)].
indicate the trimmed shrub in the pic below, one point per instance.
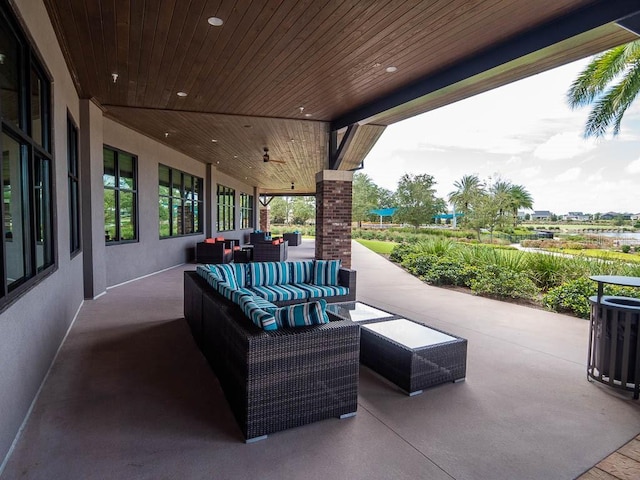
[(573, 296), (499, 282)]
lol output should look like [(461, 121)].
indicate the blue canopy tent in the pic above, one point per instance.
[(449, 216), (383, 212)]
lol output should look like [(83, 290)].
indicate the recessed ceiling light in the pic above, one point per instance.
[(235, 156), (376, 65), (308, 115), (182, 94), (391, 69), (214, 140), (215, 21)]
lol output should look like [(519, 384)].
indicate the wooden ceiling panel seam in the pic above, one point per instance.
[(154, 26), (170, 56), (306, 15), (136, 17), (321, 64), (88, 48), (201, 75), (221, 83), (409, 58)]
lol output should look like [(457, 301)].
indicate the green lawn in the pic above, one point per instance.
[(378, 246)]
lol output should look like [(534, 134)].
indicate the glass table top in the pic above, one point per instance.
[(356, 311), (409, 334)]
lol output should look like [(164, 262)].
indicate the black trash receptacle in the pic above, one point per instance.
[(617, 309)]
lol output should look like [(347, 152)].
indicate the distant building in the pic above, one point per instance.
[(614, 215), (576, 217), (541, 215)]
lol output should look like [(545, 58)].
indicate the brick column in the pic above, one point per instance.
[(265, 225), (333, 215)]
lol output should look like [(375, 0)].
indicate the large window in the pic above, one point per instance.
[(226, 208), (120, 196), (180, 202), (26, 164), (246, 210), (73, 187)]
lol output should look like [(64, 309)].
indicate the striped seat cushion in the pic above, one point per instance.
[(268, 273), (318, 291), (241, 292), (302, 314), (301, 272), (258, 315), (235, 274), (278, 293), (325, 272)]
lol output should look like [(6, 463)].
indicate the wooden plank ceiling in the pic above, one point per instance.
[(277, 72)]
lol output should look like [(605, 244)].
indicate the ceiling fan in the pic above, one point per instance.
[(266, 158)]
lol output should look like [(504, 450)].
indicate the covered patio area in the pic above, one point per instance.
[(130, 396)]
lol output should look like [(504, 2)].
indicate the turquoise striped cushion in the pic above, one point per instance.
[(325, 272), (241, 292), (302, 314), (277, 293), (258, 316), (301, 272), (269, 273), (318, 291), (228, 274)]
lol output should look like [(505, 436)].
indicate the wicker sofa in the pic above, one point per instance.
[(279, 379), (294, 238)]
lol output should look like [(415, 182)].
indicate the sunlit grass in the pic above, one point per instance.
[(383, 248)]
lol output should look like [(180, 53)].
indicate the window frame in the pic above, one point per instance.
[(117, 193), (226, 203), (74, 193), (246, 211), (196, 198), (35, 167)]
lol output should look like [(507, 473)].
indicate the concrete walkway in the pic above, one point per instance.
[(129, 396)]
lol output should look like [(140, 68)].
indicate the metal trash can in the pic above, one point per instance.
[(614, 354)]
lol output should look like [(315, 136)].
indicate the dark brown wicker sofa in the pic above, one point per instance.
[(274, 380)]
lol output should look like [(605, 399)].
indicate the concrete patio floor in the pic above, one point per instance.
[(129, 396)]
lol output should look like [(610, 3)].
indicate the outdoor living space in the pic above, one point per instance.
[(130, 396)]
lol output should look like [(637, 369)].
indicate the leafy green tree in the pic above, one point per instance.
[(279, 210), (519, 198), (302, 209), (416, 200), (484, 213), (364, 198), (467, 188), (610, 83)]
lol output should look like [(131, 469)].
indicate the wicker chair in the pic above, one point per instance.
[(256, 237), (220, 251), (268, 252), (294, 238), (274, 380)]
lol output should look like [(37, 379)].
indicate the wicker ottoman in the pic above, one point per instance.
[(412, 355)]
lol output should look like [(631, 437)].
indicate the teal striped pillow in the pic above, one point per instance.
[(302, 314), (301, 272), (264, 274), (325, 272)]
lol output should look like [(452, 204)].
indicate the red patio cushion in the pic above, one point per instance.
[(219, 239), (209, 240)]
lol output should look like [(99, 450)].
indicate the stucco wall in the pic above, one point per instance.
[(32, 328), (151, 254)]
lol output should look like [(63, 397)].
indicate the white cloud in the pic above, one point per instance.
[(569, 175), (563, 146), (633, 167)]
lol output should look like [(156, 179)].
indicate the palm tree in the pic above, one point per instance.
[(519, 198), (611, 82), (467, 189)]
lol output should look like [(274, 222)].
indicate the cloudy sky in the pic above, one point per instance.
[(525, 133)]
